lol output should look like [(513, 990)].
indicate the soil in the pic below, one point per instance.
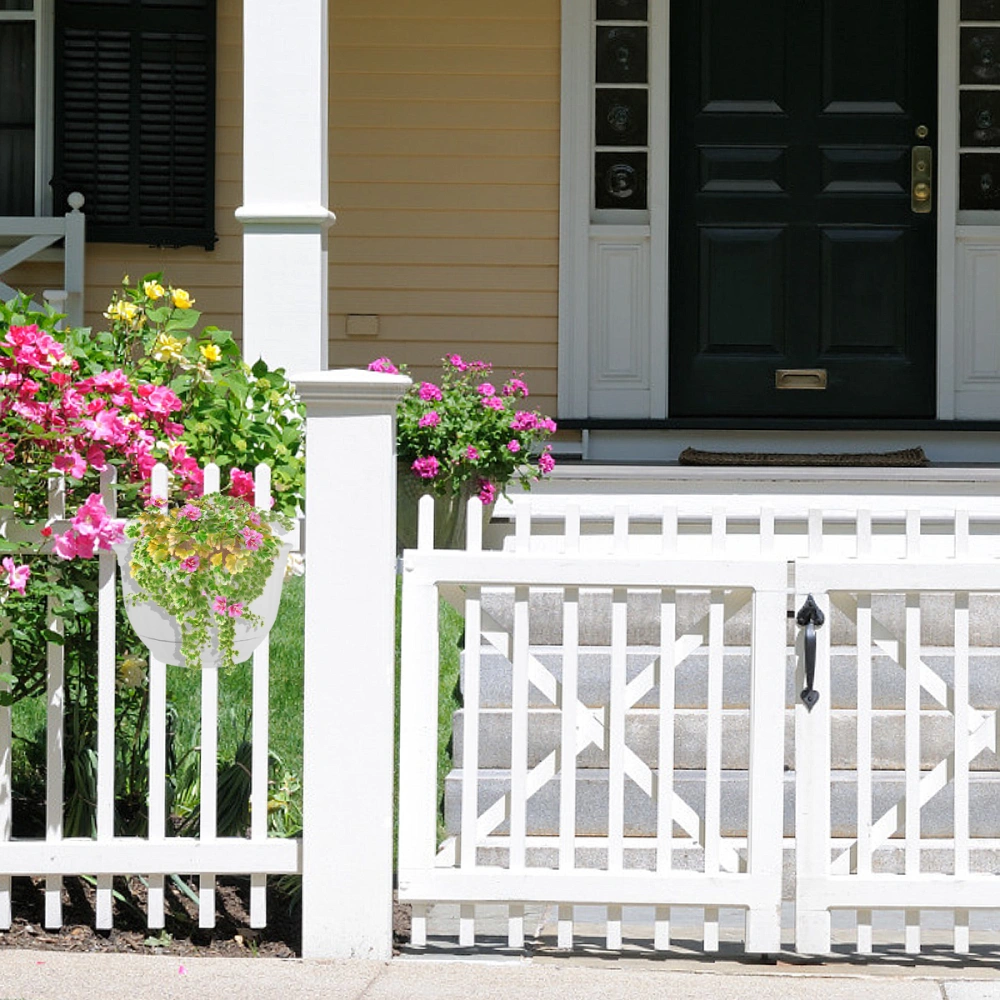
[(232, 935)]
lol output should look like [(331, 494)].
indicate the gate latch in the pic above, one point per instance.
[(810, 618)]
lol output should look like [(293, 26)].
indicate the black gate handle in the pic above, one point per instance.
[(810, 618)]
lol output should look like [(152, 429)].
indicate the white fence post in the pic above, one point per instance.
[(349, 668)]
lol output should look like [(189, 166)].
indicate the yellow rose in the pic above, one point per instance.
[(168, 348), (123, 311), (210, 352), (153, 290), (181, 298)]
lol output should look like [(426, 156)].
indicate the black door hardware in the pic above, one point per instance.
[(810, 618)]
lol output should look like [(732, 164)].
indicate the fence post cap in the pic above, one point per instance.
[(349, 384)]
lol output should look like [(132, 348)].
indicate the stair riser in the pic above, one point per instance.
[(691, 734), (546, 618), (691, 679), (640, 810)]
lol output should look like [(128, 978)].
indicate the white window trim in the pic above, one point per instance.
[(42, 16)]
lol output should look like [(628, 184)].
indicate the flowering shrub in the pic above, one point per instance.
[(467, 428), (205, 563)]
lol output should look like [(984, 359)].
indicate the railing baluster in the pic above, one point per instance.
[(962, 762), (54, 729), (864, 758), (911, 849)]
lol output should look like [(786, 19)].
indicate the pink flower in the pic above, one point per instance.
[(487, 491), (219, 604), (513, 446), (426, 468), (493, 403), (190, 564), (430, 419), (253, 517), (524, 421), (547, 424), (546, 463), (429, 391), (515, 387), (252, 539), (191, 512), (383, 365), (486, 389), (240, 484), (455, 360), (17, 576), (471, 454), (235, 610)]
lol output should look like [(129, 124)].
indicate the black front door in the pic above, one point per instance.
[(795, 247)]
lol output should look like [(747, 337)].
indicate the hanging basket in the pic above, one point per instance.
[(450, 512), (161, 632)]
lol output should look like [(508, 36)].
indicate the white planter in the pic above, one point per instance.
[(161, 632)]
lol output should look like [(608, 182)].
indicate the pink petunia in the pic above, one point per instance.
[(486, 389), (515, 387), (513, 446), (383, 365), (493, 403), (472, 454), (487, 491), (546, 463), (524, 421), (429, 392), (430, 419)]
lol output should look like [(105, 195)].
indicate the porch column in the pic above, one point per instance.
[(285, 183), (349, 662)]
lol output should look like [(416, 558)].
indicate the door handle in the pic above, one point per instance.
[(810, 618), (921, 179)]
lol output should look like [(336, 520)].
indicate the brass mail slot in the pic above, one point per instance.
[(800, 378)]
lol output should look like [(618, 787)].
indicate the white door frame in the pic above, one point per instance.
[(613, 306)]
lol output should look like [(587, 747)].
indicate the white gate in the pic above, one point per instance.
[(904, 839), (506, 850)]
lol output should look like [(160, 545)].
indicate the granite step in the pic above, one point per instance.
[(936, 817), (691, 678), (690, 739)]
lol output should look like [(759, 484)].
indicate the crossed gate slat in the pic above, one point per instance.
[(847, 881), (423, 879)]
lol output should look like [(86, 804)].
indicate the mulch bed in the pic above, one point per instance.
[(232, 935)]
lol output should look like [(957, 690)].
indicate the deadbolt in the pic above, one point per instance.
[(922, 131), (921, 177)]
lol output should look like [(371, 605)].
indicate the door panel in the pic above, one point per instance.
[(793, 241)]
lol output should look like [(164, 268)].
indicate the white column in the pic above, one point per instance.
[(349, 662), (285, 183)]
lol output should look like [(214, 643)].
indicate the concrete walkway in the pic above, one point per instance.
[(39, 975)]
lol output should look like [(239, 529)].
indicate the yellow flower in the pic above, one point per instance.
[(181, 298), (153, 290), (122, 310), (131, 671), (168, 348), (210, 352)]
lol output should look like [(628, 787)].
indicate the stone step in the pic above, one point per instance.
[(690, 739), (546, 617), (691, 678), (936, 817)]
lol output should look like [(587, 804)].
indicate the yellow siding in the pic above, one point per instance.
[(445, 180), (444, 171)]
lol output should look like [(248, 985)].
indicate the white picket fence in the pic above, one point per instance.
[(158, 855), (521, 838)]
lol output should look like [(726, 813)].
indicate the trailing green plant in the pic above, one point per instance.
[(204, 563)]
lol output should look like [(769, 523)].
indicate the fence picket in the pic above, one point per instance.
[(54, 728), (6, 752), (912, 664), (962, 760), (863, 862)]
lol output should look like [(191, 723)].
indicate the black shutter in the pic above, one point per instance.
[(135, 118)]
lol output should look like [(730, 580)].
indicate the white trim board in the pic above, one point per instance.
[(596, 254)]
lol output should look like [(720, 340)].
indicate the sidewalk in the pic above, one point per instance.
[(39, 975)]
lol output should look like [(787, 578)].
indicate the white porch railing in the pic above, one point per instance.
[(37, 234)]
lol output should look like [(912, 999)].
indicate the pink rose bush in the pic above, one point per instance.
[(465, 427)]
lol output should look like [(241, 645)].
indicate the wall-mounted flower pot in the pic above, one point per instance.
[(161, 632)]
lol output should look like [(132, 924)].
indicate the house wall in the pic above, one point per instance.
[(444, 176)]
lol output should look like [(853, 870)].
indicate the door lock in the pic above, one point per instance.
[(921, 175)]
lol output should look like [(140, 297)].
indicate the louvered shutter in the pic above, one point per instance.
[(135, 118)]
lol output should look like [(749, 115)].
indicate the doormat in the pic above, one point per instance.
[(908, 458)]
